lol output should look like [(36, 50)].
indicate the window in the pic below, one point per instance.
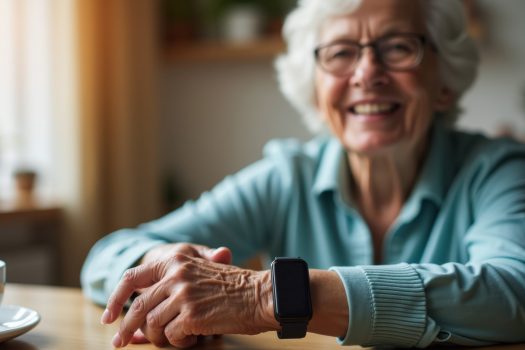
[(25, 91)]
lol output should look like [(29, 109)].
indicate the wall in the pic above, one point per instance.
[(498, 96), (217, 116)]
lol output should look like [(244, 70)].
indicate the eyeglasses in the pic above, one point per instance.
[(395, 52)]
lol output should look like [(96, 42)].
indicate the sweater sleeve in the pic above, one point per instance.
[(237, 214), (387, 305)]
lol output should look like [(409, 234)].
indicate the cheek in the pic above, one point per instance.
[(330, 92)]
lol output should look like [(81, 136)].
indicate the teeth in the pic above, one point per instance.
[(373, 108)]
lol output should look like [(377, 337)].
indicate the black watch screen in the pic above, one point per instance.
[(291, 296)]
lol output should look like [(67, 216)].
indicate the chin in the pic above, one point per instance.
[(372, 144)]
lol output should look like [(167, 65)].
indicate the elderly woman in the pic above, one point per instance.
[(414, 233)]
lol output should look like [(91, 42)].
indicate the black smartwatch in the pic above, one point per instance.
[(292, 304)]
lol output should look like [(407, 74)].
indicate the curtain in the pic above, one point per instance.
[(25, 92), (108, 130)]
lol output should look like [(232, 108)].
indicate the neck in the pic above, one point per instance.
[(382, 183), (382, 179)]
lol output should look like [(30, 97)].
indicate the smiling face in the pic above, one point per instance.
[(373, 109)]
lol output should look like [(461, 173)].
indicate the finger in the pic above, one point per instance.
[(133, 279), (192, 249), (177, 338), (139, 338), (155, 336), (222, 255), (136, 315), (158, 318), (186, 342), (179, 333)]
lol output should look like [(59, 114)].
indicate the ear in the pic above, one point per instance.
[(445, 99)]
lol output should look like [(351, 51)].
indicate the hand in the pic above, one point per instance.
[(187, 296), (220, 255), (164, 251)]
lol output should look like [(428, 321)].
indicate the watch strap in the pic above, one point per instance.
[(292, 330)]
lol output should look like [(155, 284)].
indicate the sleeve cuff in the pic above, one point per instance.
[(387, 305)]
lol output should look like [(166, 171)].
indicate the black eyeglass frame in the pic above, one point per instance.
[(374, 45)]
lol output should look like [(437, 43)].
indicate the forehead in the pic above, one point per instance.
[(375, 18)]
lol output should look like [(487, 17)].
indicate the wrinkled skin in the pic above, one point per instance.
[(185, 294)]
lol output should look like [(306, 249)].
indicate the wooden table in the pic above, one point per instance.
[(70, 322)]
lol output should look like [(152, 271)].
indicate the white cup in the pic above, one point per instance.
[(2, 280)]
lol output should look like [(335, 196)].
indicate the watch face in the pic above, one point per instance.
[(291, 288)]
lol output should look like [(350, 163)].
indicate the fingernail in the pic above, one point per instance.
[(117, 341), (106, 317)]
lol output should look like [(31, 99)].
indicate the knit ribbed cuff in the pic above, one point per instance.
[(387, 305)]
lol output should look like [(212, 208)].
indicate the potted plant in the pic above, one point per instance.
[(25, 183)]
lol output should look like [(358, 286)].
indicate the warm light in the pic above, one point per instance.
[(8, 125), (25, 88)]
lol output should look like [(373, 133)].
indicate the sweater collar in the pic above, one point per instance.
[(433, 179)]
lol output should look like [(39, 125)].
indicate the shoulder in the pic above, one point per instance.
[(486, 161), (480, 151), (284, 162)]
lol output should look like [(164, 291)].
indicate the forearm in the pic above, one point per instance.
[(466, 304), (329, 303)]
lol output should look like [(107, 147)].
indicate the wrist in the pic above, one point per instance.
[(264, 298), (330, 304)]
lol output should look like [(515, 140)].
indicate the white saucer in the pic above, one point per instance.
[(16, 320)]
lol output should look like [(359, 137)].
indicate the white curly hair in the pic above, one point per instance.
[(446, 27)]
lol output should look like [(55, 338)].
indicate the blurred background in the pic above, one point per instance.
[(113, 112)]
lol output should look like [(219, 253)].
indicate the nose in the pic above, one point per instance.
[(368, 72)]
